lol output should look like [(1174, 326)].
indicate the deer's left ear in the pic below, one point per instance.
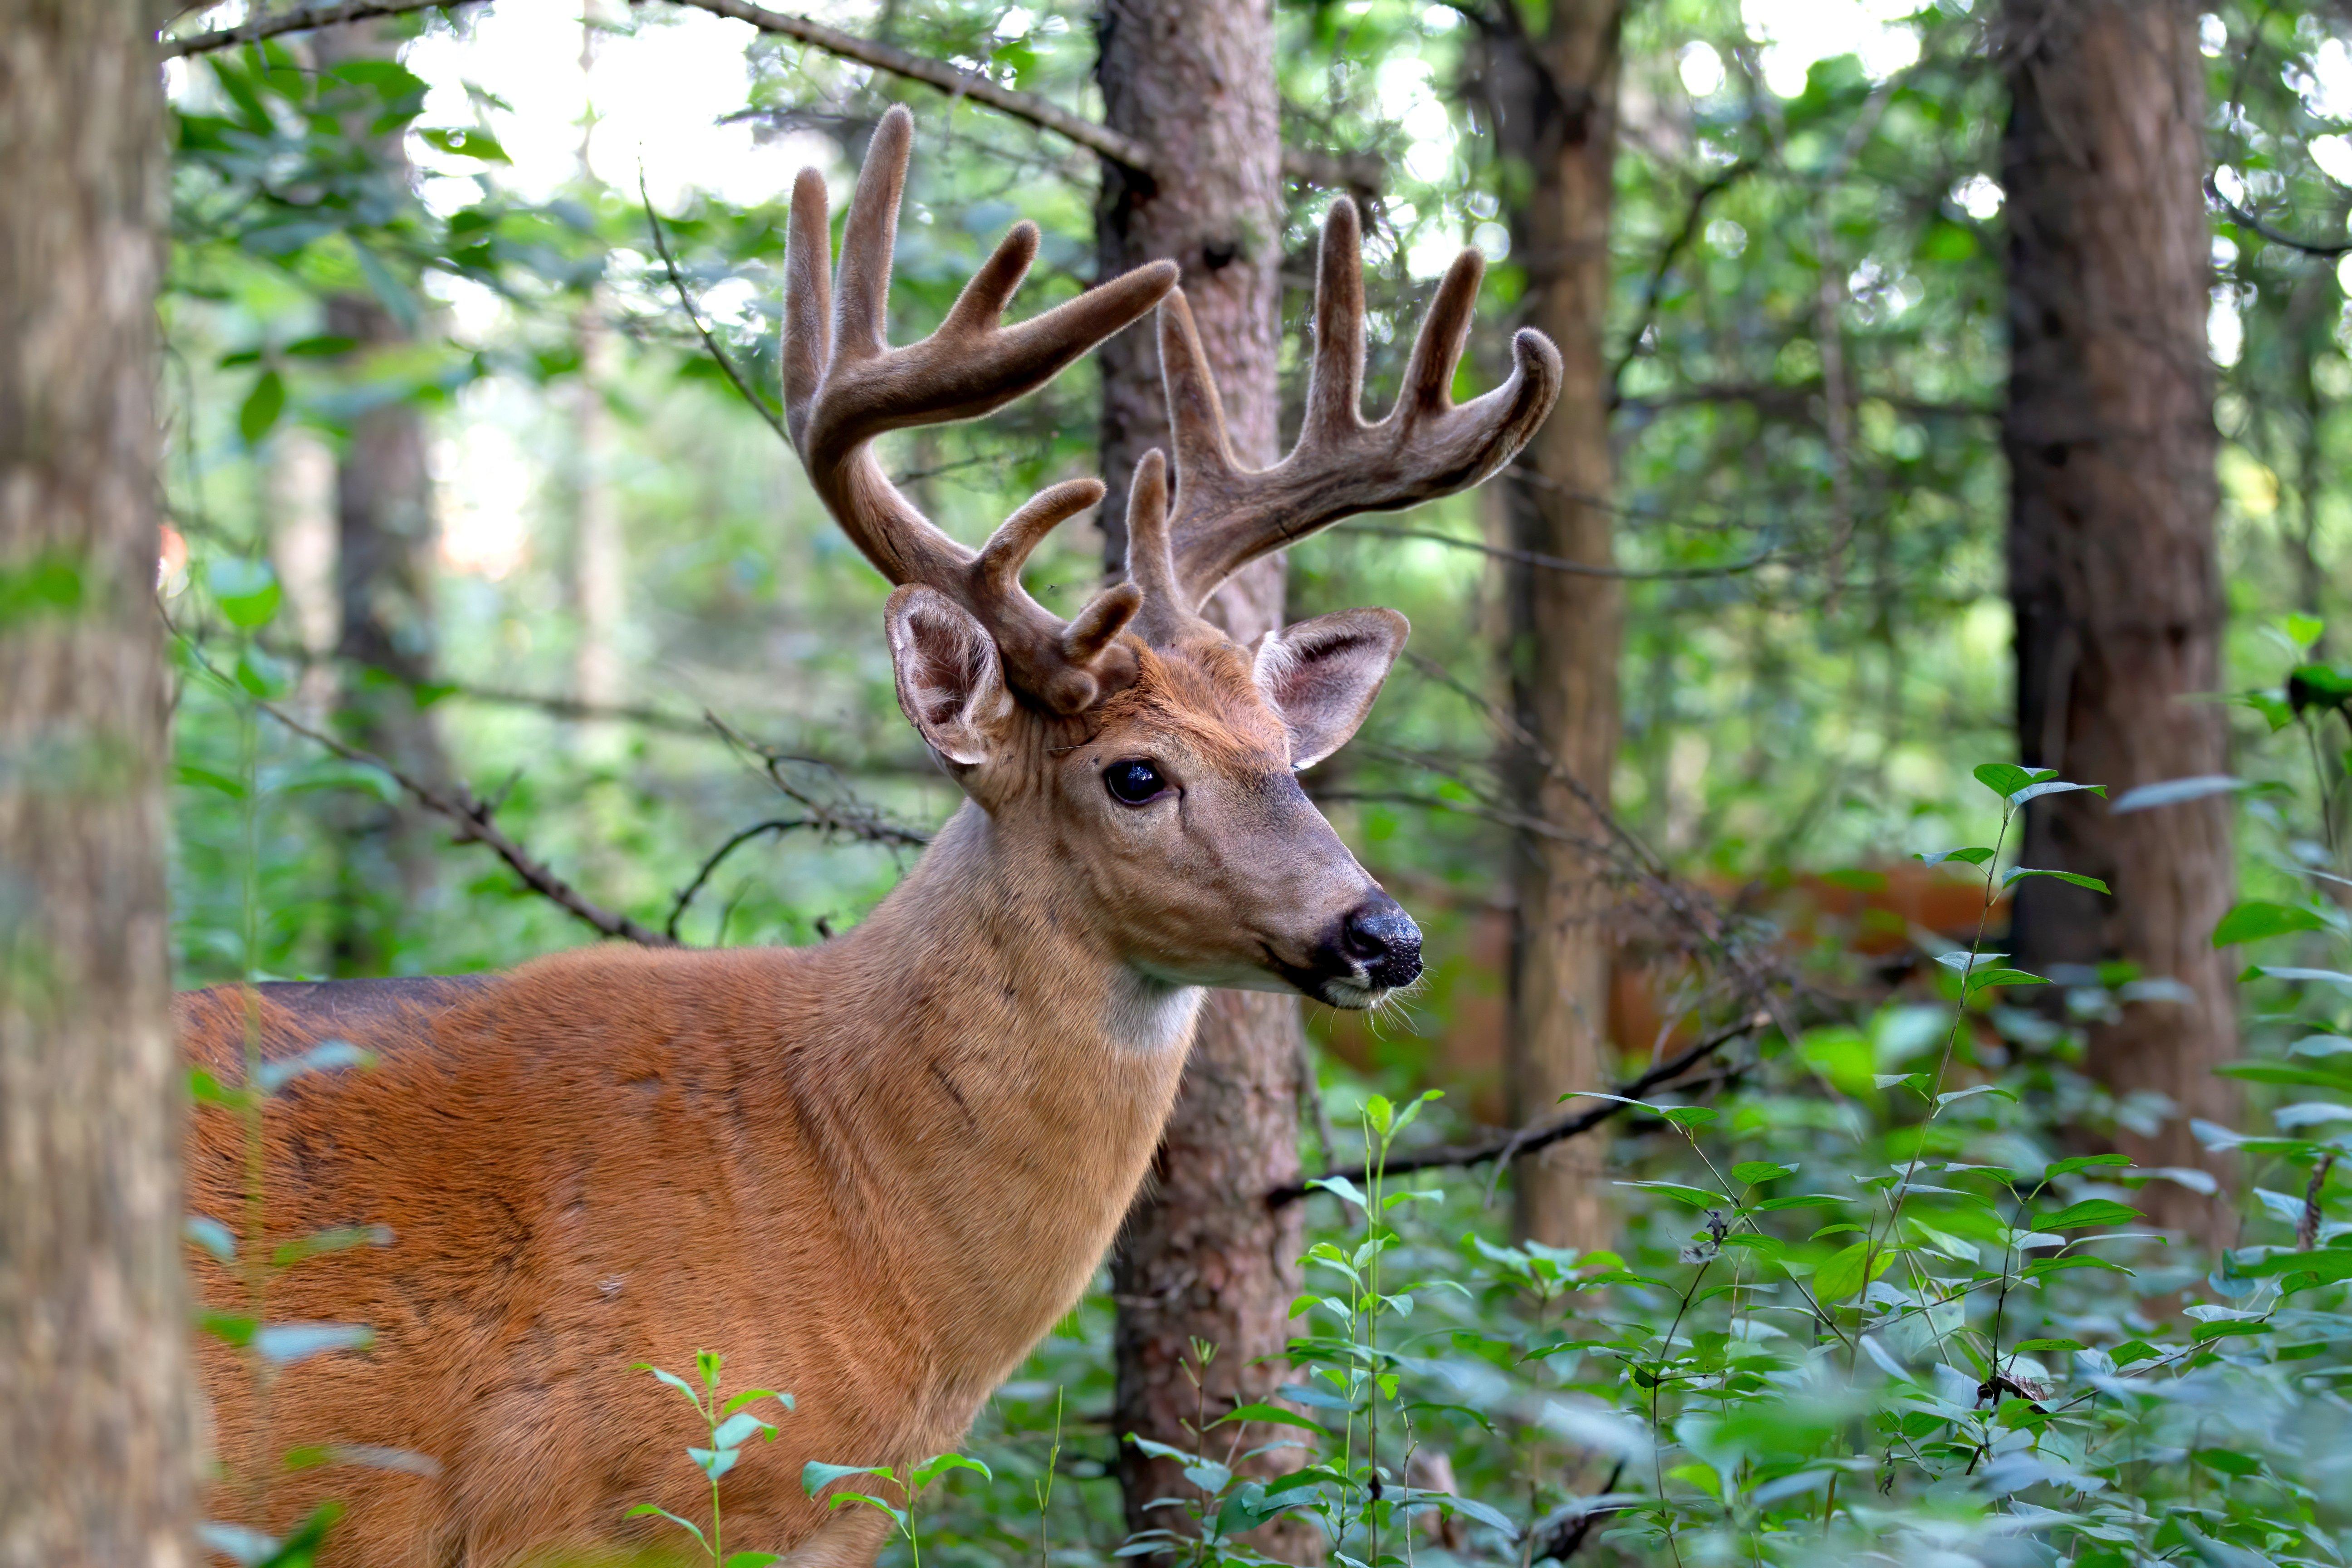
[(1322, 675)]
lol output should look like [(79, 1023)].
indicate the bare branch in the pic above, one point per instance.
[(302, 19), (1559, 563), (1672, 252), (854, 819), (686, 301), (736, 841), (472, 818), (2247, 220), (1355, 171), (1509, 1146), (1028, 106)]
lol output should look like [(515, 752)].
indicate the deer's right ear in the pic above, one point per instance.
[(950, 679)]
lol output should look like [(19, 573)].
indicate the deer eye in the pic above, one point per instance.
[(1134, 783)]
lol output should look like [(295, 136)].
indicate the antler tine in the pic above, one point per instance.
[(1425, 447), (1335, 381), (844, 385), (1149, 564)]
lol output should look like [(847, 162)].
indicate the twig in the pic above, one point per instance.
[(856, 820), (1669, 254), (686, 894), (1559, 564), (1355, 171), (472, 818), (2247, 220), (1542, 1135), (298, 21), (686, 302)]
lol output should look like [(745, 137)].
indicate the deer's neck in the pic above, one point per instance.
[(1007, 1079)]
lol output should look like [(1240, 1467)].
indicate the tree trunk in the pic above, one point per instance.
[(1553, 99), (2113, 571), (97, 1461), (384, 574), (1203, 1259), (600, 561)]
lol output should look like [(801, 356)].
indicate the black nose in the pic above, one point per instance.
[(1382, 937)]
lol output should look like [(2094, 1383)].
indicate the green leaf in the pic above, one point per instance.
[(233, 1329), (707, 1364), (714, 1462), (1379, 1113), (1260, 1411), (2254, 919), (2037, 790), (210, 1235), (2320, 686), (816, 1477), (1844, 1273), (1971, 1092), (257, 414), (1975, 855), (2039, 1347), (1340, 1186), (2090, 1211), (1697, 1197), (464, 141), (341, 1239), (749, 1395), (752, 1559), (939, 1464), (247, 591), (688, 1525), (1990, 977), (673, 1380), (327, 1055), (2016, 873), (2005, 779), (2176, 792), (739, 1429), (283, 1344), (2074, 1163), (1755, 1172)]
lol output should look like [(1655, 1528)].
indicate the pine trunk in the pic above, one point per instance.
[(1203, 1259), (2113, 576), (1553, 98), (97, 1448)]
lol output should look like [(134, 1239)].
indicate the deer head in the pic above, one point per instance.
[(1134, 756)]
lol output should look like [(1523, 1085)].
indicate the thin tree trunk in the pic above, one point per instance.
[(383, 572), (600, 563), (2113, 571), (96, 1450), (1553, 98), (1203, 1259)]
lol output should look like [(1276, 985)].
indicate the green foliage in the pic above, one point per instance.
[(728, 1425)]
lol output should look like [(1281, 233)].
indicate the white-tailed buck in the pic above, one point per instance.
[(874, 1171)]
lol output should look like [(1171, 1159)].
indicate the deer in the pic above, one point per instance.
[(877, 1170)]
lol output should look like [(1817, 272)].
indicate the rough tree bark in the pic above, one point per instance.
[(2114, 576), (96, 1451), (1202, 1256), (384, 574), (1552, 96)]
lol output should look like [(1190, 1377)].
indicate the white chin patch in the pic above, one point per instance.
[(1350, 995)]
